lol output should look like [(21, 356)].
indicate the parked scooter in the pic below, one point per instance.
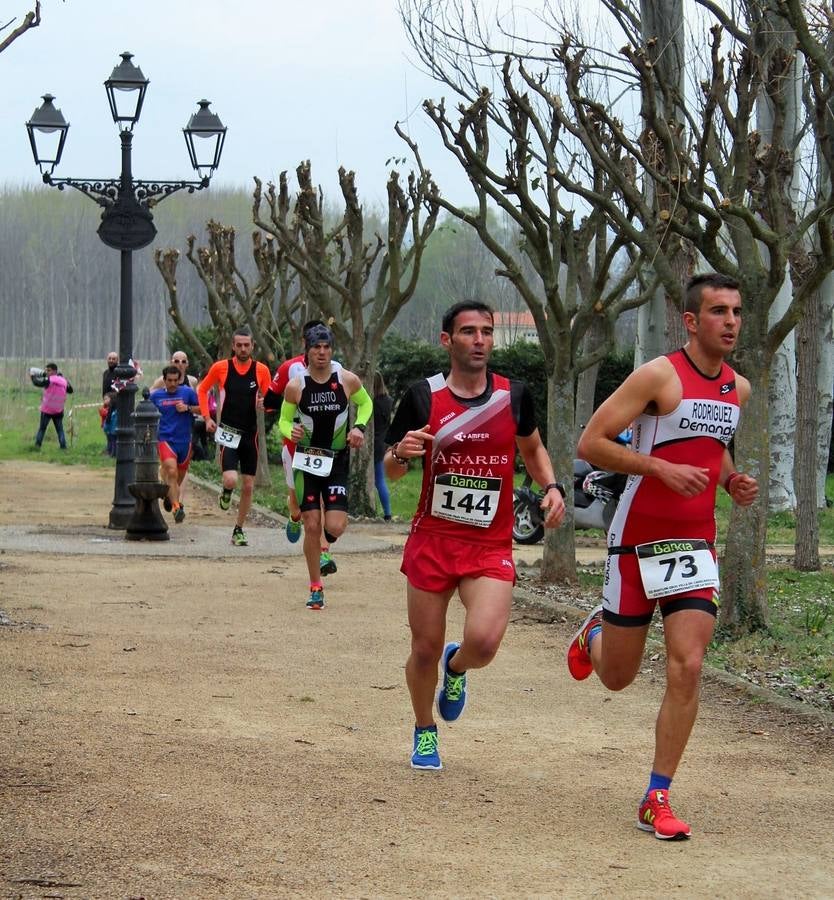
[(595, 496)]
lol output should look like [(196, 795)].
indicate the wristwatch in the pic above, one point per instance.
[(360, 427)]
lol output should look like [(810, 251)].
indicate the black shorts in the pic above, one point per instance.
[(245, 455), (331, 491)]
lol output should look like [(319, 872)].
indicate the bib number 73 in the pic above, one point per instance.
[(675, 566)]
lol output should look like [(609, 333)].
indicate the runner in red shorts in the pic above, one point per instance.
[(685, 408), (466, 427)]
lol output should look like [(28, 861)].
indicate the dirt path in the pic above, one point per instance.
[(181, 727)]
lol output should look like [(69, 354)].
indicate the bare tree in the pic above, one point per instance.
[(815, 348), (232, 300), (735, 206), (358, 282), (731, 190), (512, 144), (30, 20)]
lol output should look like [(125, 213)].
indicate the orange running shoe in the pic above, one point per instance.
[(656, 815), (579, 657)]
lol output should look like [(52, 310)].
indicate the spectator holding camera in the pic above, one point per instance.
[(55, 389)]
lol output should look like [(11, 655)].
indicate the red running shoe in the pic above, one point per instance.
[(579, 658), (656, 815)]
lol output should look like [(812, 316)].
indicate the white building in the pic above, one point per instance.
[(514, 326)]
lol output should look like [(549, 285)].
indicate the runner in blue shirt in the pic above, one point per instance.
[(177, 404)]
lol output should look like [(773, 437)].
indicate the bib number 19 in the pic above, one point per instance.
[(315, 460)]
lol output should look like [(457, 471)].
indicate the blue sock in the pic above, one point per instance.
[(657, 783), (597, 629)]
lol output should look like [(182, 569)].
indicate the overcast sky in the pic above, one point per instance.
[(323, 80)]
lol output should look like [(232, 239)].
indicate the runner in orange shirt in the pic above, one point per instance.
[(243, 383)]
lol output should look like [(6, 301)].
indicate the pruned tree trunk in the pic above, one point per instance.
[(594, 339), (782, 127), (782, 411), (558, 558), (825, 385), (30, 20), (806, 548), (361, 489), (743, 569), (651, 334), (358, 282), (659, 323)]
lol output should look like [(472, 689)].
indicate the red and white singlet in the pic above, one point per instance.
[(696, 432), (467, 488)]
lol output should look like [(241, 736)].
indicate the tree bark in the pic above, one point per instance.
[(744, 572), (806, 547), (594, 339), (782, 411), (825, 385), (559, 553)]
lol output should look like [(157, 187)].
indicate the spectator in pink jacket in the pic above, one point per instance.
[(56, 388)]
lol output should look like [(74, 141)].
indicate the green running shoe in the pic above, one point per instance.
[(425, 755), (179, 514), (327, 564), (225, 499), (293, 530), (239, 537)]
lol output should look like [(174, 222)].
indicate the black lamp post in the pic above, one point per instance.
[(126, 223)]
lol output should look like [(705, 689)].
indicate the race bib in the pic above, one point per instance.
[(468, 499), (227, 436), (314, 460), (676, 566)]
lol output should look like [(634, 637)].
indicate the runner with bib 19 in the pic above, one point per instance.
[(314, 415)]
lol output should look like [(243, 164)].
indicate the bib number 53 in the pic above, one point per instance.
[(227, 436)]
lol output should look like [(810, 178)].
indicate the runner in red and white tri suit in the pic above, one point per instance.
[(466, 427), (696, 432), (685, 409)]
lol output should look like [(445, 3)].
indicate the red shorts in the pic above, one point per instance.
[(624, 601), (437, 563), (180, 452)]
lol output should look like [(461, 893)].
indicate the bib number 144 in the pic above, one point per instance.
[(467, 499)]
